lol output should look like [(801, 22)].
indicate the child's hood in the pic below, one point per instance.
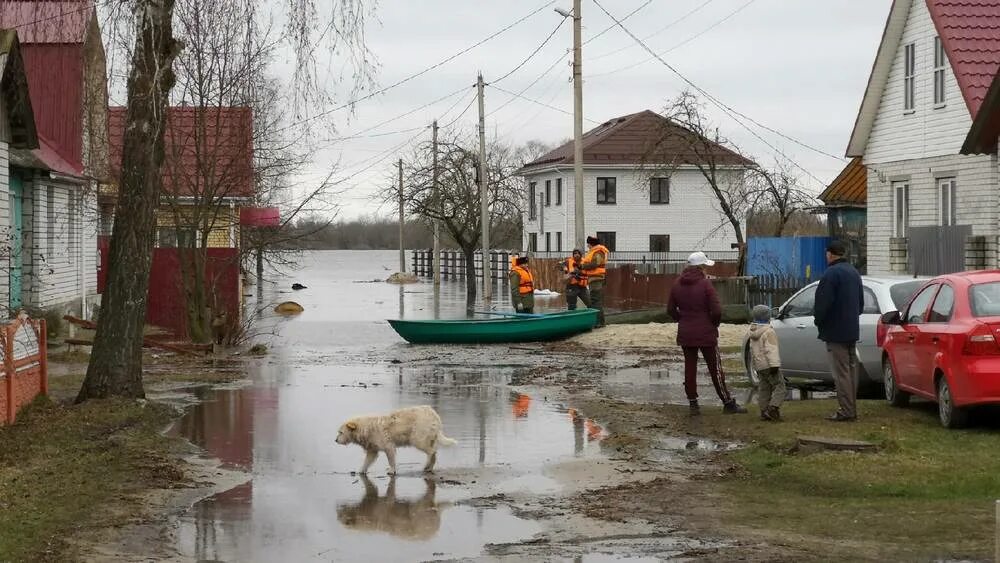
[(758, 330)]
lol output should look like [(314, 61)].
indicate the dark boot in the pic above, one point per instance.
[(774, 413), (693, 408), (765, 414), (733, 408)]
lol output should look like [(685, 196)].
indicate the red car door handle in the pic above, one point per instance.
[(912, 338), (935, 340)]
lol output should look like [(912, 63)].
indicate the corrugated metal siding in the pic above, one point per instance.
[(55, 79), (800, 257), (851, 186)]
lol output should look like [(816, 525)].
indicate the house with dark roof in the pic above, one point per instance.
[(626, 204), (54, 185), (933, 184), (845, 203)]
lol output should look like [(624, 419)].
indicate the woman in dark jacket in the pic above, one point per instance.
[(695, 306)]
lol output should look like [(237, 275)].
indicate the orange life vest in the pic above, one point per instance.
[(527, 283), (571, 267), (600, 270)]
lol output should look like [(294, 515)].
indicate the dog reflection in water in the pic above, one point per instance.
[(417, 519)]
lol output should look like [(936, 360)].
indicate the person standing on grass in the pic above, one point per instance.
[(576, 281), (767, 363), (840, 299), (695, 306)]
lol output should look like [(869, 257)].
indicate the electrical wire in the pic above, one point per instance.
[(361, 134), (533, 53), (420, 73), (710, 97), (560, 110), (697, 9)]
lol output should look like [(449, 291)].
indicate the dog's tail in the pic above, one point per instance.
[(444, 440)]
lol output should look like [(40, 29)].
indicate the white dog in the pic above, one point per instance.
[(417, 427)]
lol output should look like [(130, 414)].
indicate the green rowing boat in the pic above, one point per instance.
[(513, 328)]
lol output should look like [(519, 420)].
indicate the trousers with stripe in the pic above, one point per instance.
[(714, 361)]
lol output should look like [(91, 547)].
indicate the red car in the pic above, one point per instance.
[(945, 346)]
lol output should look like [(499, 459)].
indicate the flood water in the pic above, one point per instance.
[(335, 361)]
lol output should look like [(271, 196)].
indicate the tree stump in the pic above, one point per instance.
[(812, 444)]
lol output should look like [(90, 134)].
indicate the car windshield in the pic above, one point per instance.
[(985, 299), (902, 292)]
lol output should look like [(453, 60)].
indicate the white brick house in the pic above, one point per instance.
[(932, 71), (625, 204)]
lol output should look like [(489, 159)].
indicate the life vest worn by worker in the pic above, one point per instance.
[(527, 283), (589, 258), (576, 275)]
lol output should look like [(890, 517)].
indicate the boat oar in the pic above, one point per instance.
[(535, 315)]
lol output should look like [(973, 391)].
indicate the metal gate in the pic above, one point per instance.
[(932, 251)]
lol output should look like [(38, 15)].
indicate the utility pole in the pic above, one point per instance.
[(484, 195), (581, 229), (437, 204), (402, 251)]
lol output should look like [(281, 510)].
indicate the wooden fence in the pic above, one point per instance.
[(772, 289), (453, 264), (25, 366)]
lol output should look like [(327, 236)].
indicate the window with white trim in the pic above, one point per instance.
[(939, 65), (948, 202), (909, 77), (901, 208)]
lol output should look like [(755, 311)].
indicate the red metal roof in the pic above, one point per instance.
[(628, 139), (46, 21), (208, 151), (970, 32)]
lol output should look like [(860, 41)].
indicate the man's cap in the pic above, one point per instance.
[(836, 248), (699, 259)]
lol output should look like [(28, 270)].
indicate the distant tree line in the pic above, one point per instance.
[(382, 233)]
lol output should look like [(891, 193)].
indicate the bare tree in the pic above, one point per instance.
[(686, 138), (777, 193), (457, 204), (116, 361)]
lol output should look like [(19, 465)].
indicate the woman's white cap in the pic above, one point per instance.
[(699, 259)]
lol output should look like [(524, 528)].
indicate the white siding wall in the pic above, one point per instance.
[(978, 198), (926, 131), (692, 218), (63, 244)]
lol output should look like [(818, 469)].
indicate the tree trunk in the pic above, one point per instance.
[(192, 262), (470, 279), (115, 367), (260, 276)]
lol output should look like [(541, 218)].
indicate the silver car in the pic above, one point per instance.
[(804, 356)]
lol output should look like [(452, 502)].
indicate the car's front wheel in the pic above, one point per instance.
[(752, 376), (951, 416), (896, 396)]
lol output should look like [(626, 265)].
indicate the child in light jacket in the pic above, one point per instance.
[(767, 362)]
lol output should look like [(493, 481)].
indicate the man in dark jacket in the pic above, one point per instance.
[(840, 299), (695, 306)]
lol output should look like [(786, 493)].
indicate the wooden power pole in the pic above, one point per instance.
[(484, 195), (581, 229), (437, 204), (402, 249)]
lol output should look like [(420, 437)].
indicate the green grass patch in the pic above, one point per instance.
[(928, 492), (63, 468)]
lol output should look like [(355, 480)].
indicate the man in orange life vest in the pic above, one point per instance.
[(594, 265), (576, 281), (522, 287)]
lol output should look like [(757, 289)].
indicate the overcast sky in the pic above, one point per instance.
[(798, 66)]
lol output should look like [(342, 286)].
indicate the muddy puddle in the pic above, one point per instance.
[(302, 501)]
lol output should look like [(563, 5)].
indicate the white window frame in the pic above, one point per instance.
[(947, 201), (900, 208), (940, 96), (909, 77)]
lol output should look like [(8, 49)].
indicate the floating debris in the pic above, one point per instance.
[(288, 308), (402, 277)]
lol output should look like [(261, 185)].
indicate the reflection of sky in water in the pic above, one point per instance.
[(302, 502)]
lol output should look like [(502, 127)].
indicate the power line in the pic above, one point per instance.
[(719, 104), (625, 17), (533, 53), (422, 72), (525, 98), (360, 134), (677, 46), (697, 9), (533, 82), (64, 14)]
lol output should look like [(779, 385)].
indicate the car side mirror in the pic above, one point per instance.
[(776, 313), (892, 318)]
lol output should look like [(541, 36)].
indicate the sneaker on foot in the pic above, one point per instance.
[(694, 409), (733, 408), (841, 417)]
